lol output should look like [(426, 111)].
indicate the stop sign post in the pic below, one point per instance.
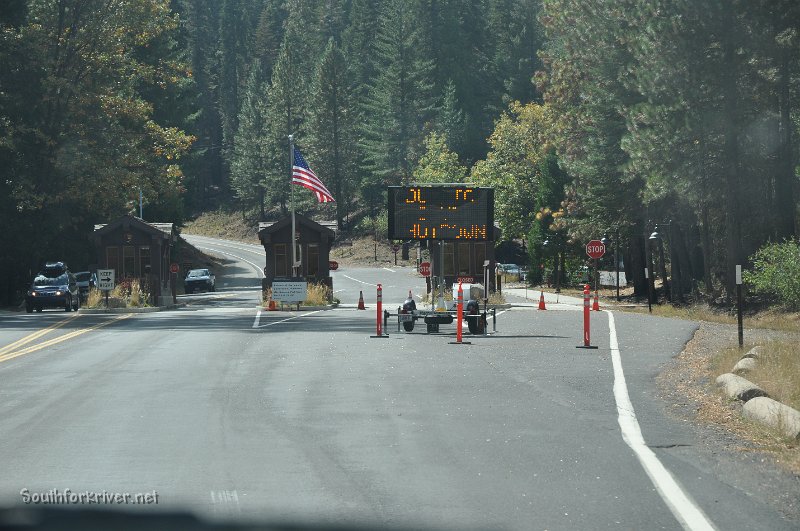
[(595, 249)]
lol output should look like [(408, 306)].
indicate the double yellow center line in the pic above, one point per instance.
[(18, 348)]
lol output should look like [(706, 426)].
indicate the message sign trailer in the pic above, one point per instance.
[(445, 212)]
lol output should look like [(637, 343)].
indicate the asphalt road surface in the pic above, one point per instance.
[(238, 414)]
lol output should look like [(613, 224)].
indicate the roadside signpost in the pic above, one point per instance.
[(595, 249), (739, 303), (105, 281), (173, 269)]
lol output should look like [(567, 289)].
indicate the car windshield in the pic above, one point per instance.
[(83, 276), (45, 280), (198, 273)]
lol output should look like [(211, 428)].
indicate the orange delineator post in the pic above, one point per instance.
[(586, 297), (460, 313), (596, 305), (379, 331), (541, 301)]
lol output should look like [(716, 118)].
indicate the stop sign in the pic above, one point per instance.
[(333, 265), (173, 268), (595, 249), (425, 269)]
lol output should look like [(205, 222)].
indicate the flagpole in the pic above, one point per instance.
[(291, 187)]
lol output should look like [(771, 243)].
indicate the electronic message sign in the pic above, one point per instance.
[(441, 213)]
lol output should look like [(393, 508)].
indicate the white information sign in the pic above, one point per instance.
[(105, 279), (289, 291), (609, 278)]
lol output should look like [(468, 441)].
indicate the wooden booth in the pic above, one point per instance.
[(134, 248), (314, 241)]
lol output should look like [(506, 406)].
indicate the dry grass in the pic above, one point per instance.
[(94, 299), (778, 372), (771, 319), (318, 295)]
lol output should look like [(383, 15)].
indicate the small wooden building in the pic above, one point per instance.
[(134, 248), (314, 241)]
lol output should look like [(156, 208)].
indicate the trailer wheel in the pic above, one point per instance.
[(408, 326), (476, 324)]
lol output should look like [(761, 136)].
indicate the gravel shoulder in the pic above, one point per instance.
[(757, 460)]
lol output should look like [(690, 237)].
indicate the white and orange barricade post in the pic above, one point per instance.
[(378, 321), (460, 318), (587, 295)]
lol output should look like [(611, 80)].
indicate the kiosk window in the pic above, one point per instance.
[(144, 259), (112, 258), (313, 259), (128, 261), (463, 259), (281, 263), (449, 259)]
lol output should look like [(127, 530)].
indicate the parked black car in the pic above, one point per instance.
[(53, 287), (199, 279)]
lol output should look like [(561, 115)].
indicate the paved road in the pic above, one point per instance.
[(235, 413)]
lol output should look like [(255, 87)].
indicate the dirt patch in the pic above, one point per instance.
[(365, 251), (223, 224)]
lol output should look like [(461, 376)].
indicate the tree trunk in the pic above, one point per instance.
[(730, 156), (785, 204), (707, 253)]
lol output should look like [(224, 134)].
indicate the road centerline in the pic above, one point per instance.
[(35, 335)]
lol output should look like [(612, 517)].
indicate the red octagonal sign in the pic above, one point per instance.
[(595, 249), (425, 269)]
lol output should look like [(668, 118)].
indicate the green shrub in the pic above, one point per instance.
[(776, 273)]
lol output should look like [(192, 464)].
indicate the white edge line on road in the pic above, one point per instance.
[(258, 318), (260, 271), (389, 270), (688, 514), (359, 281), (289, 319)]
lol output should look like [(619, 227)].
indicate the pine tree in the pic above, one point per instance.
[(400, 101), (333, 130), (249, 163)]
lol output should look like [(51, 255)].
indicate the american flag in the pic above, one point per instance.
[(304, 176)]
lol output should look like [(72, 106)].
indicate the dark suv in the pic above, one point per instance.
[(53, 287)]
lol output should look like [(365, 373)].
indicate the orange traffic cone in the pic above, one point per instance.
[(271, 306), (361, 300), (596, 305), (541, 301)]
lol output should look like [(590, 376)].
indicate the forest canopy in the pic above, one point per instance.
[(589, 118)]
